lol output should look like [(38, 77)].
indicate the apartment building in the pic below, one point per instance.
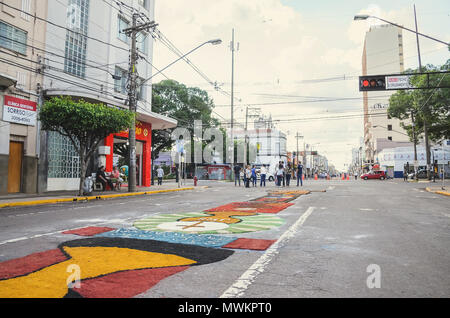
[(71, 48), (22, 43), (382, 54), (88, 57)]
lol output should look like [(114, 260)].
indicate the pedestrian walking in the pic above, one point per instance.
[(254, 177), (160, 172), (288, 174), (299, 174), (405, 174), (284, 173), (279, 174), (237, 175), (248, 176), (263, 173)]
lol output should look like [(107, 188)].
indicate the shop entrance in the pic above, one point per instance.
[(121, 156), (15, 166)]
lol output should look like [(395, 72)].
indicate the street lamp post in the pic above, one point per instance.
[(132, 135), (213, 42)]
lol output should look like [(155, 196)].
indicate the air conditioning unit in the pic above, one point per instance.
[(104, 150)]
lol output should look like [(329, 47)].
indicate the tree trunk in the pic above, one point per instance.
[(83, 167)]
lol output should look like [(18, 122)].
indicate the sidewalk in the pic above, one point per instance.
[(22, 199), (438, 189)]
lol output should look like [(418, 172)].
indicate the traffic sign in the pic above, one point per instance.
[(398, 82)]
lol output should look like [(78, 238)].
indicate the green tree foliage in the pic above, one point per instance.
[(427, 105), (85, 124), (185, 104)]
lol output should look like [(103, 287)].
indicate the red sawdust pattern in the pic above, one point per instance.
[(125, 284), (273, 199), (89, 231), (255, 206), (31, 263), (250, 244)]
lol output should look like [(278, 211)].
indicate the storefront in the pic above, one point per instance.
[(143, 152), (63, 160), (18, 159)]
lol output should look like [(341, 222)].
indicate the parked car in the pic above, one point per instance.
[(269, 175), (374, 175), (421, 174)]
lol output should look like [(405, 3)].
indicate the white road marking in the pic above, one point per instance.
[(247, 278)]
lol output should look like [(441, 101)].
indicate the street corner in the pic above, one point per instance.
[(438, 190)]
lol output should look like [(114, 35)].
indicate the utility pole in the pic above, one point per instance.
[(232, 102), (415, 145), (297, 136), (132, 95), (425, 126)]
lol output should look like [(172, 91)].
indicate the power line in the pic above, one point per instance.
[(64, 28)]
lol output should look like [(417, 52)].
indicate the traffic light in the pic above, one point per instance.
[(372, 83)]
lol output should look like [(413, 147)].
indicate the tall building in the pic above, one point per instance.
[(382, 54), (73, 48), (87, 57), (22, 38)]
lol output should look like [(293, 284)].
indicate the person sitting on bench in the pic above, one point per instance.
[(101, 177)]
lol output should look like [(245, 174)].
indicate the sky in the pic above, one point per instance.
[(291, 55)]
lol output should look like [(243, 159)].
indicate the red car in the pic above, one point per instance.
[(374, 175)]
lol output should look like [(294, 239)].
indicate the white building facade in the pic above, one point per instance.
[(394, 160), (88, 57), (22, 39)]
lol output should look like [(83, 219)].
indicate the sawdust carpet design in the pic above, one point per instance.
[(126, 262)]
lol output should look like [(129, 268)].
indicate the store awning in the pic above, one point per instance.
[(158, 121), (7, 81)]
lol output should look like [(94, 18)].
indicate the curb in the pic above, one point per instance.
[(438, 192), (88, 198)]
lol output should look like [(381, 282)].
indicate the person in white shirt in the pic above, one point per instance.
[(263, 173), (279, 174), (160, 172)]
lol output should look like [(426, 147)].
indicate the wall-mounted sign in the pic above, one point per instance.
[(19, 111)]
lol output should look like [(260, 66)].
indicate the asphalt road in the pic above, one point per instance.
[(357, 239)]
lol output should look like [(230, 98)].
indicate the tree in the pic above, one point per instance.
[(85, 124), (185, 104), (427, 105)]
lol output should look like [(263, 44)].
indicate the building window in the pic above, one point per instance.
[(144, 3), (122, 25), (121, 81), (26, 9), (21, 80), (63, 159), (76, 40), (390, 138), (141, 42), (12, 38), (389, 127)]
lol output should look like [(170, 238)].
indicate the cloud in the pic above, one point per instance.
[(279, 48)]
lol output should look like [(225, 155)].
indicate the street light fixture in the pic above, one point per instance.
[(360, 17), (213, 42), (417, 33)]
